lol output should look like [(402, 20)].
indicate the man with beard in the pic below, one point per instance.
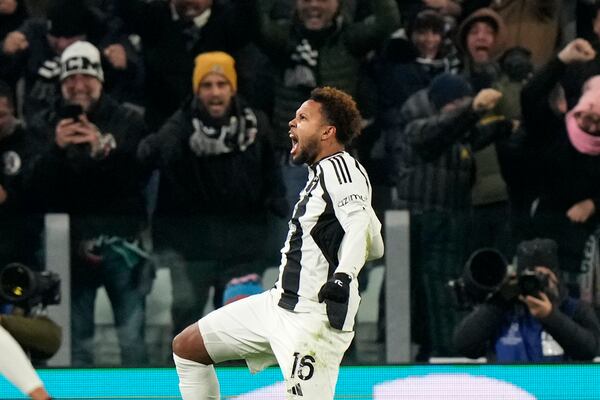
[(89, 170), (305, 322), (544, 326), (218, 181)]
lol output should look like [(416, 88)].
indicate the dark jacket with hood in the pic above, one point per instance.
[(481, 75)]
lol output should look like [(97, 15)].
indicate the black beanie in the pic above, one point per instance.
[(537, 252), (68, 18), (448, 87), (427, 20)]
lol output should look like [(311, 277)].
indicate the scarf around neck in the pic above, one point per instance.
[(581, 140), (235, 133)]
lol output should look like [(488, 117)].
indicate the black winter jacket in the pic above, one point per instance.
[(103, 196)]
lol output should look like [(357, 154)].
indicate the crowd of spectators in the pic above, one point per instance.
[(170, 117)]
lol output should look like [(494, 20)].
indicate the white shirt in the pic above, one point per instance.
[(333, 229)]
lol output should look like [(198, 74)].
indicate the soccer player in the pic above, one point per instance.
[(17, 368), (305, 322)]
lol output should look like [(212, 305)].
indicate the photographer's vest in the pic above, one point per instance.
[(523, 338)]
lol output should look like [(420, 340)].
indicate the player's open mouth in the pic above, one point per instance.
[(294, 144)]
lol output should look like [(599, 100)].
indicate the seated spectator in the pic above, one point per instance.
[(89, 170), (218, 181), (542, 325)]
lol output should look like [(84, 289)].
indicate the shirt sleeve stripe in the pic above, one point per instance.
[(341, 169), (343, 161), (336, 171)]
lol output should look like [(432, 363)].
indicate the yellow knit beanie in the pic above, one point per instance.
[(217, 62)]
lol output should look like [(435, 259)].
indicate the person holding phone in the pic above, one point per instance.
[(89, 170), (545, 326)]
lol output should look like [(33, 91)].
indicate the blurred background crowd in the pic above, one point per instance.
[(161, 128)]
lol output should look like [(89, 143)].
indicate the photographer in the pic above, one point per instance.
[(531, 322), (24, 330), (24, 295)]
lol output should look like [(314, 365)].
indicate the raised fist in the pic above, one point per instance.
[(337, 288), (15, 41), (486, 99), (116, 55), (578, 50)]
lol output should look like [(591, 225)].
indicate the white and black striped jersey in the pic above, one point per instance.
[(333, 229)]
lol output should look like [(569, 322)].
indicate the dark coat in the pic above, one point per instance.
[(568, 176), (20, 228), (578, 334), (212, 206), (102, 196), (434, 150)]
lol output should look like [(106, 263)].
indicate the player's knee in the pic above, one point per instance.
[(189, 345), (178, 344)]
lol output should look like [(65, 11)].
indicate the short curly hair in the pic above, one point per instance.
[(340, 110)]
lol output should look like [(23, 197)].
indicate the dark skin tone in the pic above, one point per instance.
[(313, 139)]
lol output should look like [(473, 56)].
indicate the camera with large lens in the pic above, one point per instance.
[(23, 287), (484, 273)]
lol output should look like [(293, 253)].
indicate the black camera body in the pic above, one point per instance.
[(531, 283), (516, 64), (25, 288)]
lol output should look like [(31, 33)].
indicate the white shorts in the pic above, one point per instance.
[(308, 350)]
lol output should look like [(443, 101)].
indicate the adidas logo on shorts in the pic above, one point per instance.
[(296, 389)]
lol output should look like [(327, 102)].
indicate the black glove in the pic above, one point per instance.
[(337, 288)]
